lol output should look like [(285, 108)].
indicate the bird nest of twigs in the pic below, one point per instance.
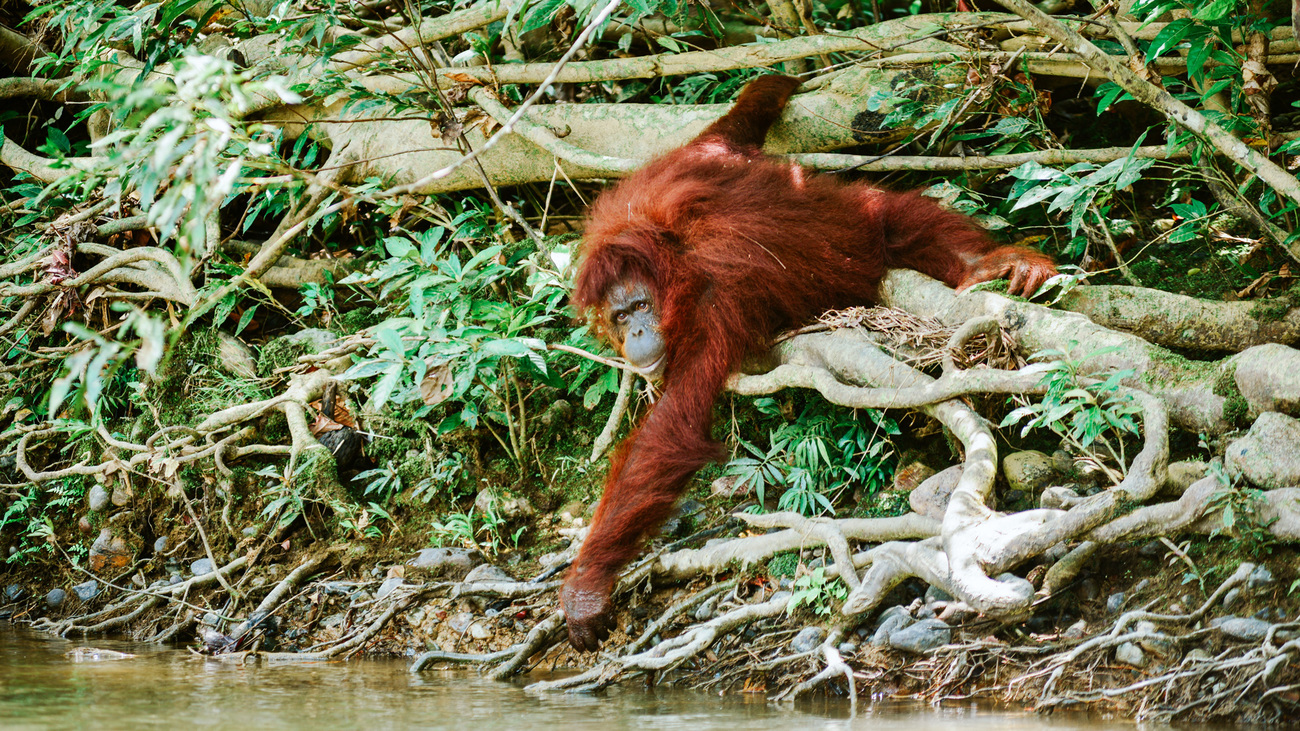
[(917, 340)]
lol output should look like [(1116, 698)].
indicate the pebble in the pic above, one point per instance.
[(1130, 654), (479, 632), (202, 567), (487, 572), (1089, 590), (98, 498), (175, 579), (249, 531), (122, 495), (160, 545), (86, 590), (1141, 585), (847, 648), (921, 637), (1076, 631), (449, 562), (13, 592), (808, 639), (1115, 602), (55, 598), (460, 622), (935, 594)]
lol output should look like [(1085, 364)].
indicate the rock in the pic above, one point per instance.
[(1231, 599), (730, 486), (1141, 586), (573, 510), (210, 619), (98, 498), (249, 531), (479, 631), (921, 637), (925, 612), (1028, 471), (847, 648), (1130, 654), (86, 590), (460, 622), (1260, 578), (1197, 654), (1063, 462), (13, 592), (160, 545), (559, 413), (503, 506), (202, 567), (1089, 590), (910, 477), (1152, 549), (682, 521), (808, 639), (55, 598), (1269, 454), (175, 579), (935, 594), (235, 357), (452, 563), (122, 495), (487, 572), (931, 497), (1182, 474), (1247, 629), (109, 553), (387, 587), (84, 525), (1076, 631), (334, 620), (1115, 602)]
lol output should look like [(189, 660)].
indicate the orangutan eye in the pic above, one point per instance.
[(642, 306), (620, 317)]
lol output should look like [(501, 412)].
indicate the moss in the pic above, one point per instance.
[(1273, 310), (784, 564), (1236, 410)]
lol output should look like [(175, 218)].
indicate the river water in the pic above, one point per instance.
[(41, 687)]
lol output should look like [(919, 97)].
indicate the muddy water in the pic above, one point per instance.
[(165, 688)]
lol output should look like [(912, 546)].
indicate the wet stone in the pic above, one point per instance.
[(55, 598), (202, 567), (13, 592), (160, 545), (808, 639), (921, 637), (175, 579), (86, 590)]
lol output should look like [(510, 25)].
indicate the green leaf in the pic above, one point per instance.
[(1169, 36), (1215, 10)]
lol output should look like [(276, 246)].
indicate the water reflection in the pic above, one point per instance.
[(42, 688)]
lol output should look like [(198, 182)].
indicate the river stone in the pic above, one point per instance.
[(452, 563), (1269, 454), (387, 587), (202, 567), (910, 477), (573, 510), (921, 637), (1130, 654), (931, 497), (55, 598), (160, 545), (1028, 471), (84, 525), (1115, 602), (109, 553), (13, 592), (460, 621), (1075, 631), (86, 590), (731, 486), (1260, 578), (98, 498), (1247, 629), (808, 639), (479, 631), (847, 648)]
